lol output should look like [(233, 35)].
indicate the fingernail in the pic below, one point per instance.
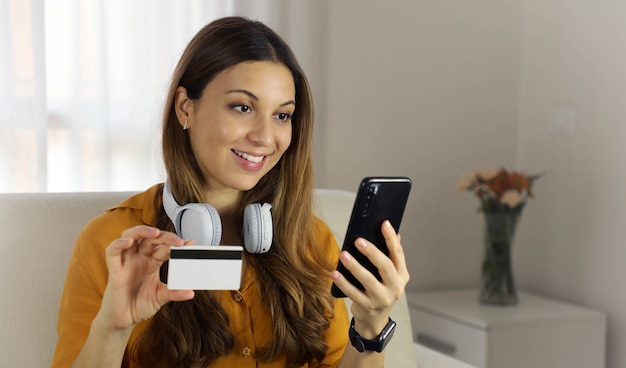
[(387, 224), (345, 256), (361, 243)]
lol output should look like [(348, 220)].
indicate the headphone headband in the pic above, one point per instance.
[(169, 203), (201, 222)]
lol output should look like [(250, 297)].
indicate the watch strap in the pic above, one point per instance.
[(376, 344)]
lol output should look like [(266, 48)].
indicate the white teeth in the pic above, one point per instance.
[(255, 159)]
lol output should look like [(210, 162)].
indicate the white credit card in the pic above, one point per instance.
[(205, 267)]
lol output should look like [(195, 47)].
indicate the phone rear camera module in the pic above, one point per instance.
[(372, 191)]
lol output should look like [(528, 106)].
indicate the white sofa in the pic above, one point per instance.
[(38, 231)]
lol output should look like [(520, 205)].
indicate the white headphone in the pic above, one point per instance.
[(201, 222)]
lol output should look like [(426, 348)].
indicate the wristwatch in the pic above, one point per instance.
[(377, 344)]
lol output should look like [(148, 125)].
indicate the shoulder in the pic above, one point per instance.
[(103, 229)]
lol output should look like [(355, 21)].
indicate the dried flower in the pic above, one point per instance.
[(486, 174), (511, 198), (500, 190)]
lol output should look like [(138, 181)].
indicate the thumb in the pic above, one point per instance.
[(175, 295)]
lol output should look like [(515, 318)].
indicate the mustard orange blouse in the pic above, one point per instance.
[(250, 322)]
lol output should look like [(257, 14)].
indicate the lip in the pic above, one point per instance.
[(250, 161)]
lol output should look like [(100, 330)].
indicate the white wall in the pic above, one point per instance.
[(572, 245), (433, 89), (427, 89)]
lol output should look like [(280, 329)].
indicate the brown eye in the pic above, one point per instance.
[(283, 116), (242, 108)]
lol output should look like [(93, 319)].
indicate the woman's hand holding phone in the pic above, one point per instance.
[(378, 200), (371, 306)]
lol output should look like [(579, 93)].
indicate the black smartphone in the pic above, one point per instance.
[(377, 199)]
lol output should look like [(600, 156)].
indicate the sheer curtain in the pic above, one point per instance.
[(82, 83)]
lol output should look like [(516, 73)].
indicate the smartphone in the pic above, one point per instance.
[(377, 199)]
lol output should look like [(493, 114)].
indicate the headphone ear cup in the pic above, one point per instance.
[(200, 222), (257, 229)]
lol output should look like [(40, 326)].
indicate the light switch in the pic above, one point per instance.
[(562, 121)]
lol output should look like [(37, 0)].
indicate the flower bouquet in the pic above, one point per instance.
[(502, 194)]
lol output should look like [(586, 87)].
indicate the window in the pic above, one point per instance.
[(82, 85)]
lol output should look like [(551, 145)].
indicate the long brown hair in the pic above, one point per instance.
[(289, 275)]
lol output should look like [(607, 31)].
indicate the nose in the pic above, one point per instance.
[(261, 132)]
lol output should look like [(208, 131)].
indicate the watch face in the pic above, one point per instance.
[(387, 334)]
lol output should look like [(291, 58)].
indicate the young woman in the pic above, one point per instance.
[(237, 130)]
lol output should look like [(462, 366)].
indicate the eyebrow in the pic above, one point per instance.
[(254, 97)]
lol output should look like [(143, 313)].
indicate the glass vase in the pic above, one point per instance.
[(498, 284)]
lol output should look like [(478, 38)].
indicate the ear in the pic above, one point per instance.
[(182, 105)]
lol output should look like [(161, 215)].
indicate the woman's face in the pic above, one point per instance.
[(241, 126)]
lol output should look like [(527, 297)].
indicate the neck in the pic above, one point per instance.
[(231, 230), (227, 204)]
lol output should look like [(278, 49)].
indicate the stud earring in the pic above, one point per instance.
[(185, 127)]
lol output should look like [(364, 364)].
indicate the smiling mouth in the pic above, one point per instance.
[(248, 157)]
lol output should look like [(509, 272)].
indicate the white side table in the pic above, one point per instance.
[(539, 332)]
